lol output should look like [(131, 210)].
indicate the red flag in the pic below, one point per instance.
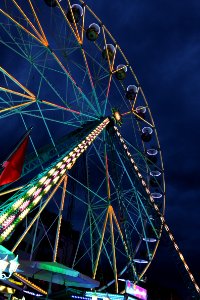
[(13, 166)]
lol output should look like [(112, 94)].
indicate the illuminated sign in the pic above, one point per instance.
[(104, 296), (136, 290)]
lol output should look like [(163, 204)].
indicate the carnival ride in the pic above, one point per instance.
[(64, 75)]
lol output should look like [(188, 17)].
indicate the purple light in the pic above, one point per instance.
[(37, 193), (47, 182), (24, 205), (136, 290), (62, 167)]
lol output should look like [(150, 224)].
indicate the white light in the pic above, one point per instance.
[(3, 264), (14, 264), (62, 172), (42, 179), (51, 171), (32, 190), (59, 164), (47, 188), (12, 268), (55, 179)]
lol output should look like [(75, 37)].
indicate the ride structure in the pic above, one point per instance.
[(64, 74)]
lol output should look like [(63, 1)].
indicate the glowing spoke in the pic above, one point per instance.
[(22, 27), (74, 22), (133, 111), (17, 82), (38, 22), (30, 23), (108, 57), (73, 81), (15, 107), (16, 93), (64, 15), (83, 23), (91, 81), (61, 107)]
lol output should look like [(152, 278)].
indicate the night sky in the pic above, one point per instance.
[(162, 42)]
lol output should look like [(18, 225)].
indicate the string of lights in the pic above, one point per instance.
[(19, 210), (163, 221)]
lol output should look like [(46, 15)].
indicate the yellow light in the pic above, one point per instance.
[(144, 183), (10, 291), (3, 217), (69, 165), (8, 231), (32, 190), (55, 179), (51, 171), (59, 164), (18, 203), (37, 199), (42, 180), (24, 213), (15, 282), (62, 172), (151, 198), (47, 189), (148, 191)]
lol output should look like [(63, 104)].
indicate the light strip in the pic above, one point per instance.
[(158, 212), (19, 210)]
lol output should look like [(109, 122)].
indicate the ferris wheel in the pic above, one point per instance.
[(93, 156)]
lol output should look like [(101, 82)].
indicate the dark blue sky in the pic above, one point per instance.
[(162, 42)]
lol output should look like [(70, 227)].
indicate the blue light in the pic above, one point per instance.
[(81, 297)]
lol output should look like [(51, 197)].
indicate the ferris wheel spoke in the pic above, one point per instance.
[(16, 93), (45, 235), (22, 27), (132, 222), (39, 33), (73, 82), (74, 22), (75, 32), (79, 241), (21, 46), (38, 22), (14, 108), (62, 107), (71, 124), (83, 24), (91, 80), (16, 82), (68, 76), (88, 189), (38, 214)]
